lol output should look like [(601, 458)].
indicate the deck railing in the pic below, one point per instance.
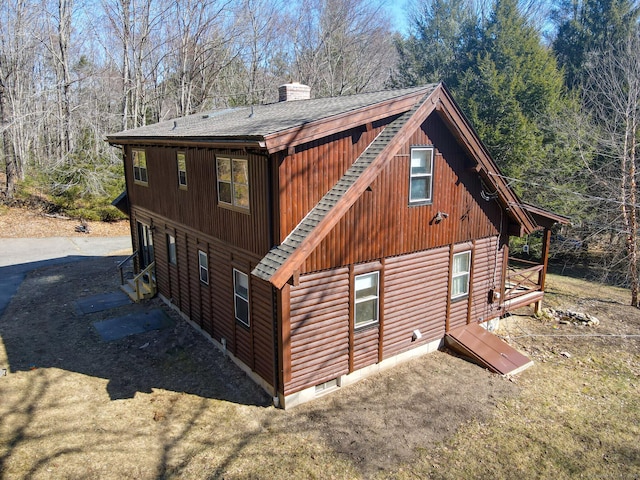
[(144, 281), (521, 281), (123, 264)]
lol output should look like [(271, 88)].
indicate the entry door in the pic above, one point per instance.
[(145, 245)]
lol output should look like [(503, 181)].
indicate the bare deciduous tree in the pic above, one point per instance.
[(612, 95)]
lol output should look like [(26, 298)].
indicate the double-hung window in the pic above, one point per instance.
[(171, 250), (421, 175), (233, 182), (203, 264), (460, 275), (241, 296), (366, 299), (182, 170), (140, 166)]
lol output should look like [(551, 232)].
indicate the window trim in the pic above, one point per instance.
[(137, 170), (203, 268), (429, 176), (356, 300), (181, 186), (237, 295), (172, 253), (232, 185), (466, 273)]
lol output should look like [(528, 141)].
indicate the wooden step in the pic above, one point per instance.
[(146, 290)]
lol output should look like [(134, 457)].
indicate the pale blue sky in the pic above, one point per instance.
[(398, 13)]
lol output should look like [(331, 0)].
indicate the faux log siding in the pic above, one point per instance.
[(381, 224), (365, 347), (487, 275), (415, 297), (197, 207), (319, 329)]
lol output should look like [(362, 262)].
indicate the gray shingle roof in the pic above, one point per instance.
[(259, 121), (278, 255)]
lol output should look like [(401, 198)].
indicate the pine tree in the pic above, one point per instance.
[(510, 90), (589, 26)]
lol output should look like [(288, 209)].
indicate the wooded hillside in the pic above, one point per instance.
[(553, 88)]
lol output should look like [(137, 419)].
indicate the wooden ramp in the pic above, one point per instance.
[(486, 349)]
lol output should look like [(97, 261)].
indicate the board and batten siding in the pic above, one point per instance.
[(196, 207), (381, 223), (414, 296), (211, 306)]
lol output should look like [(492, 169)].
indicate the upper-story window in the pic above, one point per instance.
[(421, 175), (233, 182), (182, 170), (140, 166)]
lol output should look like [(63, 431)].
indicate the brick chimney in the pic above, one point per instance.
[(293, 91)]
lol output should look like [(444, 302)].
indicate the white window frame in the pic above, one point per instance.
[(421, 176), (172, 253), (237, 296), (138, 169), (460, 274), (233, 185), (203, 267), (358, 301), (181, 184)]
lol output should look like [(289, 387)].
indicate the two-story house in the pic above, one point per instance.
[(319, 240)]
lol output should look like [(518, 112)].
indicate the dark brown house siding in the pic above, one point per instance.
[(197, 206), (319, 329), (211, 306), (382, 224), (416, 289), (414, 292)]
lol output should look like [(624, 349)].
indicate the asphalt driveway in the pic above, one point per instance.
[(19, 256)]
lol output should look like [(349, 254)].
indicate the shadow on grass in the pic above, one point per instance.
[(42, 328)]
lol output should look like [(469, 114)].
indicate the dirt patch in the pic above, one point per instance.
[(21, 222), (167, 402)]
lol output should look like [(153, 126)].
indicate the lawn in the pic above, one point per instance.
[(166, 404)]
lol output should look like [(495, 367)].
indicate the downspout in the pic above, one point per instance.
[(274, 292)]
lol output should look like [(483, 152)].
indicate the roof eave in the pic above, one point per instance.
[(220, 142), (324, 127)]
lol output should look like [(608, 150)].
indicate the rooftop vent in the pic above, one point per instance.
[(293, 91)]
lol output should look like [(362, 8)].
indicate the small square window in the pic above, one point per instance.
[(139, 166), (241, 296), (366, 299), (460, 274), (182, 170), (203, 263), (171, 250), (421, 175)]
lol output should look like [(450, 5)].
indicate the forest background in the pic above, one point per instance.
[(553, 89)]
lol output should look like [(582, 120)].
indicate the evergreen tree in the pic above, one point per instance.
[(510, 90), (588, 26), (441, 32)]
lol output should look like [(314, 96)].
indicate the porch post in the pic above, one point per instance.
[(546, 242)]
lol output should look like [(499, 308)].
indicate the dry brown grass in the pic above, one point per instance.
[(75, 407)]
